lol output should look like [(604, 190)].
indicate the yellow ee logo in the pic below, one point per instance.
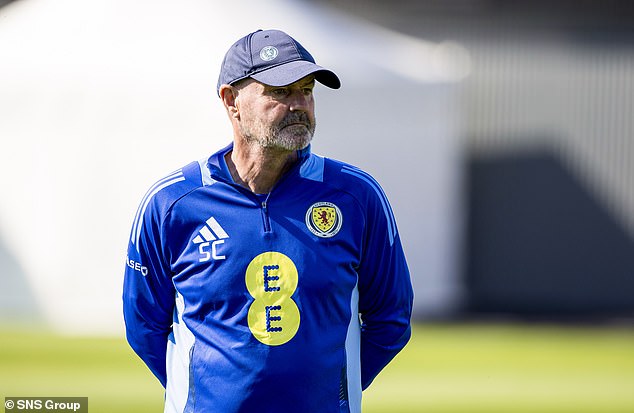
[(271, 279)]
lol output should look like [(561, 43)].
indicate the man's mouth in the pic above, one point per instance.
[(296, 120), (295, 124)]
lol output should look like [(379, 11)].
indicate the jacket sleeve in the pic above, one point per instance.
[(385, 290), (148, 292)]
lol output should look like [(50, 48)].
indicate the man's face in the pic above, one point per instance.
[(277, 117)]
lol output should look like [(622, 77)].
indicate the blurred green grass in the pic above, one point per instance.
[(509, 368), (446, 368)]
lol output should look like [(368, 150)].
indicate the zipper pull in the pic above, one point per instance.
[(265, 216)]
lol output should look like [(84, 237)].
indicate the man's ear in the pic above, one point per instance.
[(229, 96)]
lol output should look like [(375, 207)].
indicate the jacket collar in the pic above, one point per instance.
[(219, 171)]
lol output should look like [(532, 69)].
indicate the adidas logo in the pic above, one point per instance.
[(209, 237)]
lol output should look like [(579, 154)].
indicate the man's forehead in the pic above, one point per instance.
[(259, 87), (306, 80)]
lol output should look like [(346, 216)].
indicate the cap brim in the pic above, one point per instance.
[(291, 72)]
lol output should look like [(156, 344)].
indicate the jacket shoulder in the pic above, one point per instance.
[(368, 192), (163, 194), (167, 190), (350, 178)]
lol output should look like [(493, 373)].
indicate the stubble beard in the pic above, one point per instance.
[(285, 136)]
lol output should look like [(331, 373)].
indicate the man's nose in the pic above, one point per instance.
[(299, 102)]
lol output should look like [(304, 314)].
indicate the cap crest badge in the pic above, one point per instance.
[(268, 53), (324, 219)]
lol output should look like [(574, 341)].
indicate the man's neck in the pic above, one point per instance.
[(257, 168)]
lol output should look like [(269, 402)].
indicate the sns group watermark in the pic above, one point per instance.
[(46, 404)]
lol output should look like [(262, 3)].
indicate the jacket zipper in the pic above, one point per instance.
[(265, 214), (263, 204)]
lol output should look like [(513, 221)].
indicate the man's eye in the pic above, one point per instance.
[(279, 92), (307, 91)]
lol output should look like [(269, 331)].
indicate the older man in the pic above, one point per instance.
[(266, 278)]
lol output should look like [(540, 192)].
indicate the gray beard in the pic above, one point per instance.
[(280, 136)]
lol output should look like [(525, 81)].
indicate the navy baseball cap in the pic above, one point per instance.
[(274, 58)]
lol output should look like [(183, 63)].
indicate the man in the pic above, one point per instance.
[(266, 278)]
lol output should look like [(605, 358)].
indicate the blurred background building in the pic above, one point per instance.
[(501, 131), (548, 141)]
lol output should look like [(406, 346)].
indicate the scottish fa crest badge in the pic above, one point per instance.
[(268, 53), (324, 219)]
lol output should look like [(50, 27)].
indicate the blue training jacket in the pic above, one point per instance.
[(287, 302)]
